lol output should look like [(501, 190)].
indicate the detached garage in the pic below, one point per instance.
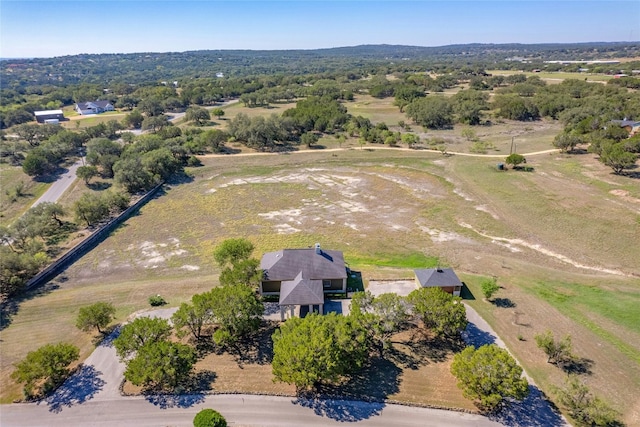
[(444, 278), (43, 116)]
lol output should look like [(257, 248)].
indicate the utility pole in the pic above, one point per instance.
[(511, 150)]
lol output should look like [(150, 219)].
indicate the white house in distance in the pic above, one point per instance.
[(93, 107)]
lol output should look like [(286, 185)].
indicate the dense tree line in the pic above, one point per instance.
[(28, 244)]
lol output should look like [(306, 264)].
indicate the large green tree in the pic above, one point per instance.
[(86, 173), (194, 318), (245, 272), (381, 316), (515, 159), (139, 332), (198, 115), (97, 315), (433, 112), (439, 311), (161, 365), (489, 375), (317, 349), (616, 157), (232, 251), (237, 311), (45, 368), (234, 256)]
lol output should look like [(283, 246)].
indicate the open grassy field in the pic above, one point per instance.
[(12, 207), (82, 122), (562, 241), (552, 76)]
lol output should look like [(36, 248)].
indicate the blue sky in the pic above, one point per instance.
[(55, 28)]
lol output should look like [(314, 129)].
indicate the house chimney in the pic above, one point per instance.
[(318, 250)]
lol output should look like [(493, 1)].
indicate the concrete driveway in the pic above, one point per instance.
[(400, 287)]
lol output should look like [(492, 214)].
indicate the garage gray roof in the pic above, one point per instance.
[(314, 265), (437, 277), (301, 291)]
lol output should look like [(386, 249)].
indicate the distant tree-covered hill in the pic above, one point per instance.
[(151, 67)]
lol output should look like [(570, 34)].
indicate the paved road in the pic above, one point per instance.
[(61, 185), (239, 410)]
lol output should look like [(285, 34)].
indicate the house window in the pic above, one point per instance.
[(326, 283)]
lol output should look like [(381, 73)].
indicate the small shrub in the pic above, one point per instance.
[(209, 418), (193, 161), (489, 287), (156, 301), (520, 337)]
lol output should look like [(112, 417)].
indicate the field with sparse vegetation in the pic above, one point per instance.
[(561, 240)]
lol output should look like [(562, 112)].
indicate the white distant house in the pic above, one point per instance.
[(49, 116), (93, 107)]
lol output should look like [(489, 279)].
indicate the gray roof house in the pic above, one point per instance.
[(444, 278), (93, 107), (631, 126), (301, 277)]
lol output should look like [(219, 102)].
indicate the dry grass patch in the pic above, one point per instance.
[(375, 109), (47, 315), (10, 178)]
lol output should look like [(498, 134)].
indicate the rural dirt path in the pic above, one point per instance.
[(490, 156), (535, 410)]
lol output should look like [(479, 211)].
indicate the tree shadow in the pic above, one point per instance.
[(503, 303), (106, 338), (271, 308), (77, 389), (10, 307), (534, 411), (255, 349), (99, 185), (476, 337), (341, 410), (166, 401), (434, 349), (176, 179), (578, 365), (51, 176), (358, 398), (375, 382), (191, 392), (230, 150)]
